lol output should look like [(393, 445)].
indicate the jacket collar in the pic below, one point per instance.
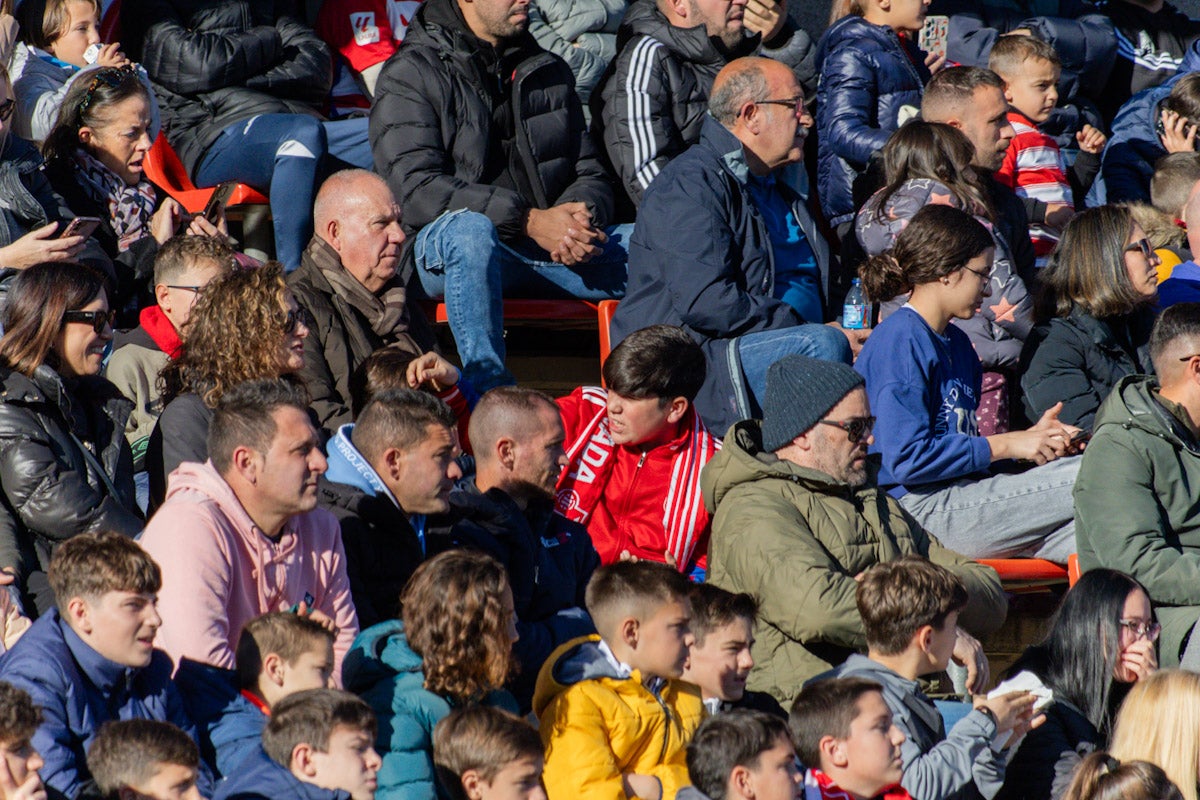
[(348, 466), (732, 153), (107, 676), (690, 44), (161, 330)]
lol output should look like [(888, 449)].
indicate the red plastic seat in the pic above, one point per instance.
[(164, 169), (539, 310), (110, 26), (1026, 572), (1073, 571)]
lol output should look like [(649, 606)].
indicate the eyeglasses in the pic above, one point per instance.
[(1144, 246), (112, 77), (795, 103), (985, 275), (6, 109), (293, 319), (193, 289), (1140, 629), (97, 319), (856, 429)]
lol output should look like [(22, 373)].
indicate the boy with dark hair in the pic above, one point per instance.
[(92, 658), (844, 733), (742, 755), (140, 759), (485, 753), (319, 739), (615, 719), (635, 450), (720, 660), (19, 761), (909, 610)]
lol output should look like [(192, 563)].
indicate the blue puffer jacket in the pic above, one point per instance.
[(260, 778), (870, 82), (1128, 163), (230, 726), (386, 673)]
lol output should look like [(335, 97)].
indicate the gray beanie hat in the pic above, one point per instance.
[(800, 390)]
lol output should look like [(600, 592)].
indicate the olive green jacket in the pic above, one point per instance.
[(795, 538)]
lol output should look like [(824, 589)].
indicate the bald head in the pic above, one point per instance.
[(517, 436), (741, 81), (761, 103), (345, 190), (508, 412), (356, 214)]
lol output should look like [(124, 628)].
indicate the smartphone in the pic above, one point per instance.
[(220, 197), (80, 226), (934, 35)]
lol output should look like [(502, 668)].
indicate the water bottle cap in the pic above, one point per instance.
[(856, 282)]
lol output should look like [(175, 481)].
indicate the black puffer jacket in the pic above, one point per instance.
[(214, 62), (49, 489), (432, 123)]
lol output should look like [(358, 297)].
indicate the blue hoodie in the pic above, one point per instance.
[(260, 778), (1182, 287)]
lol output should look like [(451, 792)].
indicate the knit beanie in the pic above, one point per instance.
[(800, 390)]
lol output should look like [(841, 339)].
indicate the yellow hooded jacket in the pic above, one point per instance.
[(596, 725)]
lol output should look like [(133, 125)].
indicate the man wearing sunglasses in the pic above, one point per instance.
[(798, 516)]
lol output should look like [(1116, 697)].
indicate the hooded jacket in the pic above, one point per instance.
[(796, 537), (1135, 505), (260, 778), (384, 671), (597, 724), (220, 570)]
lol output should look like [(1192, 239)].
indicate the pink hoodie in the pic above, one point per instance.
[(220, 571)]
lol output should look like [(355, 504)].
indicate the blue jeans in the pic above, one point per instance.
[(460, 258), (280, 155), (759, 350)]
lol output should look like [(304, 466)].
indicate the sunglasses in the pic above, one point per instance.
[(856, 429), (97, 319), (293, 319), (1143, 245), (112, 77)]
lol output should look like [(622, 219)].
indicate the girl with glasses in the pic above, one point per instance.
[(1099, 643), (924, 381), (1097, 308)]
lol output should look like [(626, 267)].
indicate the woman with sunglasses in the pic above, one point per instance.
[(1098, 295), (923, 381), (244, 325), (1099, 643), (65, 466)]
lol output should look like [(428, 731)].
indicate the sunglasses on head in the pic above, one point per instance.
[(856, 429), (97, 319)]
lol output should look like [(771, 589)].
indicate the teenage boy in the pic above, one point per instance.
[(139, 759), (635, 451), (742, 755), (92, 658), (844, 733), (615, 719), (319, 739), (19, 761), (909, 609), (720, 660), (484, 753)]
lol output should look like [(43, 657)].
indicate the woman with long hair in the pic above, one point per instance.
[(245, 325), (1100, 642), (1099, 291), (65, 467), (1157, 723), (451, 647), (923, 381)]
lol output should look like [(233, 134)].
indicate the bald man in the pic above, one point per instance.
[(517, 437), (1135, 496), (351, 284), (726, 248)]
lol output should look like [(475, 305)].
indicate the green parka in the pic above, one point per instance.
[(1137, 508), (795, 538)]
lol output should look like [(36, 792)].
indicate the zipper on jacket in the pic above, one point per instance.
[(666, 728)]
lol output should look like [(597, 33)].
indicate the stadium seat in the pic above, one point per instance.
[(1026, 573), (1073, 571), (539, 311), (606, 310), (164, 169)]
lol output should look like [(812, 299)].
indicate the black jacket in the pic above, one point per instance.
[(181, 434), (1150, 49), (432, 124), (1044, 763), (215, 62), (49, 489), (1079, 359)]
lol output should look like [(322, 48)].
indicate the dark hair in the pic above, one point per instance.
[(129, 752), (825, 708), (736, 738), (19, 717), (661, 361), (398, 418), (938, 240), (953, 89), (245, 418), (1175, 322), (933, 150), (897, 598), (92, 564), (183, 251), (1010, 52), (1078, 655), (632, 587), (1087, 269), (386, 368), (37, 301), (284, 633), (87, 103), (1099, 776), (309, 717), (714, 607), (1184, 98), (480, 738), (42, 22)]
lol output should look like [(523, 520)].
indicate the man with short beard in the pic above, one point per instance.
[(798, 515)]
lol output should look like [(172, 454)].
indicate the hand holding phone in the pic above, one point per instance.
[(218, 200), (935, 35), (80, 226)]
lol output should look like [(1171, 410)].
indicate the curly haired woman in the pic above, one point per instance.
[(451, 647), (245, 325)]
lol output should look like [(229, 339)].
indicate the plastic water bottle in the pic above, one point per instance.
[(856, 313)]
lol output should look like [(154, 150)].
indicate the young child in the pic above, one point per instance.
[(720, 661), (92, 658), (742, 755), (319, 745), (844, 734), (614, 718), (484, 753), (19, 761), (139, 759), (1034, 166), (909, 609)]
